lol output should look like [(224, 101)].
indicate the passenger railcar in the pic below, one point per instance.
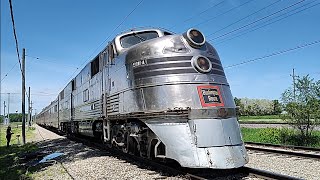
[(157, 95)]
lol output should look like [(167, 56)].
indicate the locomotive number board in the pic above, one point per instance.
[(210, 96)]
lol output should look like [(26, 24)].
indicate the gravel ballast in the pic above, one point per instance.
[(82, 162), (305, 168)]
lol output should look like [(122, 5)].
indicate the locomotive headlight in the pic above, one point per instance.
[(195, 38), (201, 64)]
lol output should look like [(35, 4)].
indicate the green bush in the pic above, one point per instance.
[(284, 136)]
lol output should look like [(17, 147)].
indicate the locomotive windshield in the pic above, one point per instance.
[(135, 38)]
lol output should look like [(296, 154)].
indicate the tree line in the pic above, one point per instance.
[(14, 117), (299, 107), (257, 107)]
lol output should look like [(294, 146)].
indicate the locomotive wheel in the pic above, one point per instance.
[(125, 141), (152, 147), (133, 146)]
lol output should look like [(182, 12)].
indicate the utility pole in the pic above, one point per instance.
[(8, 107), (35, 114), (30, 113), (23, 97), (4, 111), (29, 108), (294, 85)]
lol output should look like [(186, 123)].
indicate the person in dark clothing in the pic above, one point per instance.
[(8, 136)]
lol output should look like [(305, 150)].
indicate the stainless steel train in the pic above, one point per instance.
[(155, 94)]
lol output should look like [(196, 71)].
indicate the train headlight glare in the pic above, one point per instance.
[(175, 45), (201, 64), (195, 38)]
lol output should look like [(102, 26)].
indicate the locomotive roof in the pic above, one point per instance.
[(136, 30), (116, 40)]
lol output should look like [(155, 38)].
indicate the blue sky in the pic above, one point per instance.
[(65, 34)]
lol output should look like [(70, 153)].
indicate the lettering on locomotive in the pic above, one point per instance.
[(210, 96)]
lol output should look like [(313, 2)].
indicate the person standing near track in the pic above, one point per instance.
[(8, 136)]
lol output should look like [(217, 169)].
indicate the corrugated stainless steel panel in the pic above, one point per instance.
[(161, 66), (168, 59), (89, 110), (171, 71)]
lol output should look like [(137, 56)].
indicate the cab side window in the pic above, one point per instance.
[(111, 52)]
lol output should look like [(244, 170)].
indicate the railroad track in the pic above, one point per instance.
[(308, 152), (174, 170), (198, 174)]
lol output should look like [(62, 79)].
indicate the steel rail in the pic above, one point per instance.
[(284, 146), (263, 123), (266, 174), (168, 169), (284, 152), (149, 162), (244, 170)]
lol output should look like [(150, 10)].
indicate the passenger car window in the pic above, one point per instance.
[(135, 38)]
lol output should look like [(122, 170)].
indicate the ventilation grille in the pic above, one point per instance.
[(113, 104)]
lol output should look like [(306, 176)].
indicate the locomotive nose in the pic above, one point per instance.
[(195, 38)]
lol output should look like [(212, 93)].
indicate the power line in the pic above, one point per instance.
[(114, 30), (41, 59), (273, 54), (33, 94), (210, 19), (17, 48), (256, 21), (107, 38), (215, 5), (245, 17), (15, 35), (33, 57), (9, 71), (259, 27)]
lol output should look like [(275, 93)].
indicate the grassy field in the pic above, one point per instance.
[(278, 136), (16, 128), (261, 119), (10, 165)]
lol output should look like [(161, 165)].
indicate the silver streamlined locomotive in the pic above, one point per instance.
[(156, 95)]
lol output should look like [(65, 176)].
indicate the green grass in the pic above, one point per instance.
[(279, 136), (10, 167), (16, 128), (10, 163), (261, 119)]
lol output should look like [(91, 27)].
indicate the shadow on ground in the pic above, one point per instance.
[(17, 162), (21, 162)]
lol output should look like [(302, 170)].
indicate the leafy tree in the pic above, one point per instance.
[(240, 106), (277, 109), (303, 107), (237, 101), (256, 110), (16, 117)]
